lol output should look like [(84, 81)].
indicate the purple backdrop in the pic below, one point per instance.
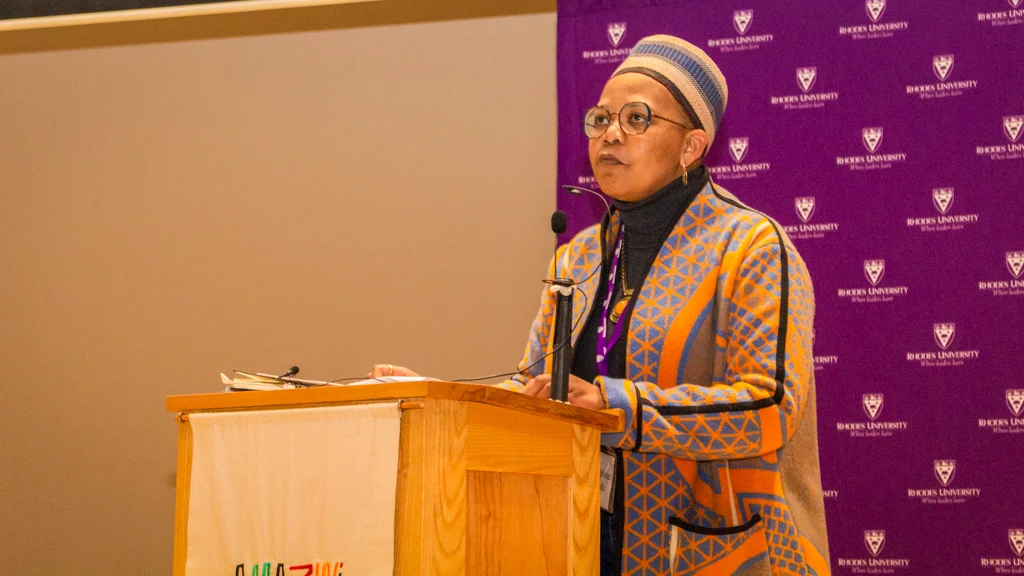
[(886, 137)]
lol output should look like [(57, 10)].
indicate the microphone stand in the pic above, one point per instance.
[(562, 358), (561, 361)]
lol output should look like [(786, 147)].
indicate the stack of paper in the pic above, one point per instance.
[(259, 381)]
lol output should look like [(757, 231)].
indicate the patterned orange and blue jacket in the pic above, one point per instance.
[(719, 456)]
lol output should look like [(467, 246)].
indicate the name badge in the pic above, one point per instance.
[(607, 480)]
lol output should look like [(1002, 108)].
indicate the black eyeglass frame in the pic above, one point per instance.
[(618, 115)]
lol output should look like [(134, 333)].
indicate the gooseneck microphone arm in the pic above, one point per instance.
[(577, 190)]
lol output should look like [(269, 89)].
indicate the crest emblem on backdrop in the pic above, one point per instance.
[(615, 32), (874, 270), (1016, 536), (944, 471), (1012, 126), (944, 332), (875, 541), (875, 9), (943, 199), (804, 207), (1015, 3), (1015, 401), (741, 20), (805, 77), (738, 148), (872, 138), (942, 65), (872, 404), (1015, 263)]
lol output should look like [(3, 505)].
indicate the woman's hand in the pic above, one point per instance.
[(385, 370), (581, 393)]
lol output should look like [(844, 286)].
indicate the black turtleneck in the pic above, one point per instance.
[(647, 224)]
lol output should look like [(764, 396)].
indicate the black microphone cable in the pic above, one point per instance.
[(558, 219), (586, 302)]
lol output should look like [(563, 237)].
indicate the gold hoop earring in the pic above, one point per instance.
[(686, 179)]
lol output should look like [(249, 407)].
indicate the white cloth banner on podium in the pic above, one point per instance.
[(307, 491)]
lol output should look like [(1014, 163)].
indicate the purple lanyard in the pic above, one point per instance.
[(604, 343)]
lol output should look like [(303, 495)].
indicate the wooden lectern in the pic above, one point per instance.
[(489, 481)]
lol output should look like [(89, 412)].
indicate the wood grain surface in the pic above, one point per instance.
[(605, 420), (507, 441), (518, 524), (586, 504), (182, 487)]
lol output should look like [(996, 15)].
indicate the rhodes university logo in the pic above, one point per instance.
[(875, 562), (874, 270), (1015, 423), (742, 23), (1013, 564), (616, 31), (806, 99), (741, 20), (873, 405), (738, 148), (1012, 287), (944, 332), (872, 138), (875, 9), (804, 208), (942, 65), (872, 428), (1011, 17), (875, 541), (805, 78), (1012, 127), (1015, 401), (1015, 263), (1016, 536), (944, 471), (943, 199), (875, 28)]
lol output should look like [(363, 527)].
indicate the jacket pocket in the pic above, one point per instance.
[(702, 551)]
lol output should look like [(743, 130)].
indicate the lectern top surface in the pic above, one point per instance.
[(605, 420)]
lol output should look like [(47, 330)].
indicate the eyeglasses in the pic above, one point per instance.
[(637, 119)]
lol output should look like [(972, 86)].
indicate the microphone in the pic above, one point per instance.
[(559, 222), (291, 372), (561, 362)]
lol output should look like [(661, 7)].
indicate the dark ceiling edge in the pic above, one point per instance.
[(330, 17)]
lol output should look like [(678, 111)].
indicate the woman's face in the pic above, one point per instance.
[(631, 167)]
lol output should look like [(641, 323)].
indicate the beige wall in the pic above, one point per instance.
[(324, 197)]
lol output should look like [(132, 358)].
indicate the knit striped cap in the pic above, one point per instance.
[(688, 73)]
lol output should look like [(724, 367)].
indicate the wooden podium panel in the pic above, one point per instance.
[(490, 482)]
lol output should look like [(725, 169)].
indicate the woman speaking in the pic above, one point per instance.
[(699, 327)]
